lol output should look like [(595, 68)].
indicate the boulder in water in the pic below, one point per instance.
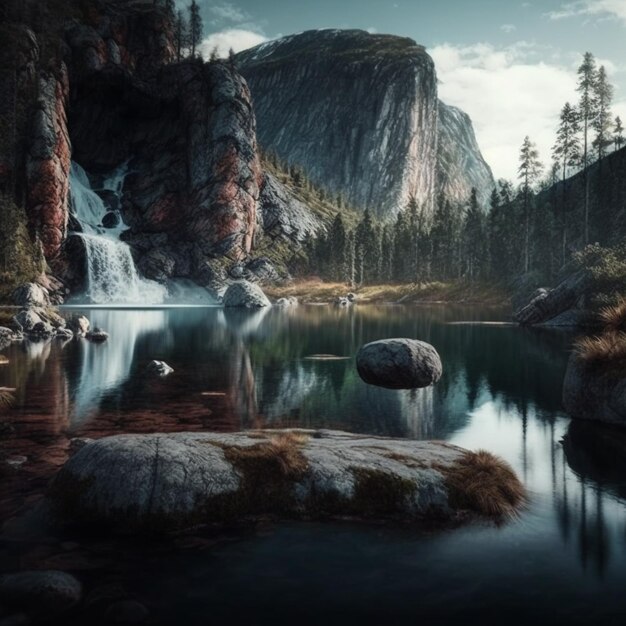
[(78, 324), (159, 368), (29, 295), (97, 335), (111, 220), (45, 590), (399, 364), (245, 294), (287, 302), (163, 482)]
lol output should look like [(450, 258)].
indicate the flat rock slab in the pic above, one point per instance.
[(165, 482)]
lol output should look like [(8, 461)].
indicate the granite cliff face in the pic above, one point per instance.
[(360, 113)]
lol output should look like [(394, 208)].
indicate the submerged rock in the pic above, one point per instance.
[(173, 481), (46, 590), (289, 301), (111, 220), (160, 368), (245, 294), (399, 364)]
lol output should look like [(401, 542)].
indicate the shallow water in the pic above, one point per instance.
[(562, 561)]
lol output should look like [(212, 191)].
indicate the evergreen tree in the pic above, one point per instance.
[(587, 107), (337, 248), (181, 34), (170, 7), (566, 149), (601, 124), (529, 171), (618, 133), (474, 239), (195, 27)]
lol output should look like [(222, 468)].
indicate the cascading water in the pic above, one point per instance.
[(112, 277)]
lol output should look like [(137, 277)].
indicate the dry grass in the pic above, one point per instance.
[(613, 318), (3, 360), (607, 348), (315, 290), (485, 484), (281, 455)]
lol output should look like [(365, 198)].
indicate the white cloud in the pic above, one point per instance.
[(509, 93), (235, 38), (228, 12), (371, 30), (508, 28), (600, 9)]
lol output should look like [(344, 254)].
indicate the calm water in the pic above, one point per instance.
[(562, 561)]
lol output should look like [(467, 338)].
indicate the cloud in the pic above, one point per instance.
[(600, 9), (371, 30), (508, 28), (228, 12), (236, 38), (509, 92)]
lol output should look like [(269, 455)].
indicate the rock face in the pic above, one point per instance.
[(359, 113), (399, 364), (548, 304), (30, 294), (245, 294), (460, 164), (173, 481), (595, 392), (111, 93)]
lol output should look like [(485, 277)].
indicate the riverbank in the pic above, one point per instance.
[(317, 291)]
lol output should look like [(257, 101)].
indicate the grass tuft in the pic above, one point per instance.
[(613, 318), (607, 348), (7, 398), (484, 483)]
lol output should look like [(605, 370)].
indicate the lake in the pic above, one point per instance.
[(562, 561)]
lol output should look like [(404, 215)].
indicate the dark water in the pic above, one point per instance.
[(562, 561)]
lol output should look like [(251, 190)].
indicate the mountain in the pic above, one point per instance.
[(359, 112)]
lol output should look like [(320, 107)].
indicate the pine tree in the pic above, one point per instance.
[(529, 172), (566, 149), (170, 8), (587, 107), (473, 239), (601, 124), (195, 27), (181, 34), (337, 247), (618, 133)]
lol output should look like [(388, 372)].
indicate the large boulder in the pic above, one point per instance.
[(45, 590), (245, 294), (399, 364), (29, 295), (595, 391), (172, 481)]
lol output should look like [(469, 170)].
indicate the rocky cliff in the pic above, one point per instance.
[(360, 113), (109, 91)]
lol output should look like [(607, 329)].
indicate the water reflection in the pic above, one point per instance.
[(500, 390)]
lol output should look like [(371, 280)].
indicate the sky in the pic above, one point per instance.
[(510, 64)]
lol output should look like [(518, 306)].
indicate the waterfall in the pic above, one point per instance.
[(112, 277)]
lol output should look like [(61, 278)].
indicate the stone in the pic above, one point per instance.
[(64, 333), (351, 297), (399, 364), (111, 220), (27, 320), (263, 269), (287, 302), (30, 295), (45, 590), (164, 482), (97, 335), (159, 368), (79, 325), (245, 294)]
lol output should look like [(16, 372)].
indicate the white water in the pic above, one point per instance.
[(112, 277)]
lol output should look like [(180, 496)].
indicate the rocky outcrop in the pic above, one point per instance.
[(30, 294), (399, 364), (173, 481), (359, 113), (460, 164), (594, 391), (548, 304), (45, 591)]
